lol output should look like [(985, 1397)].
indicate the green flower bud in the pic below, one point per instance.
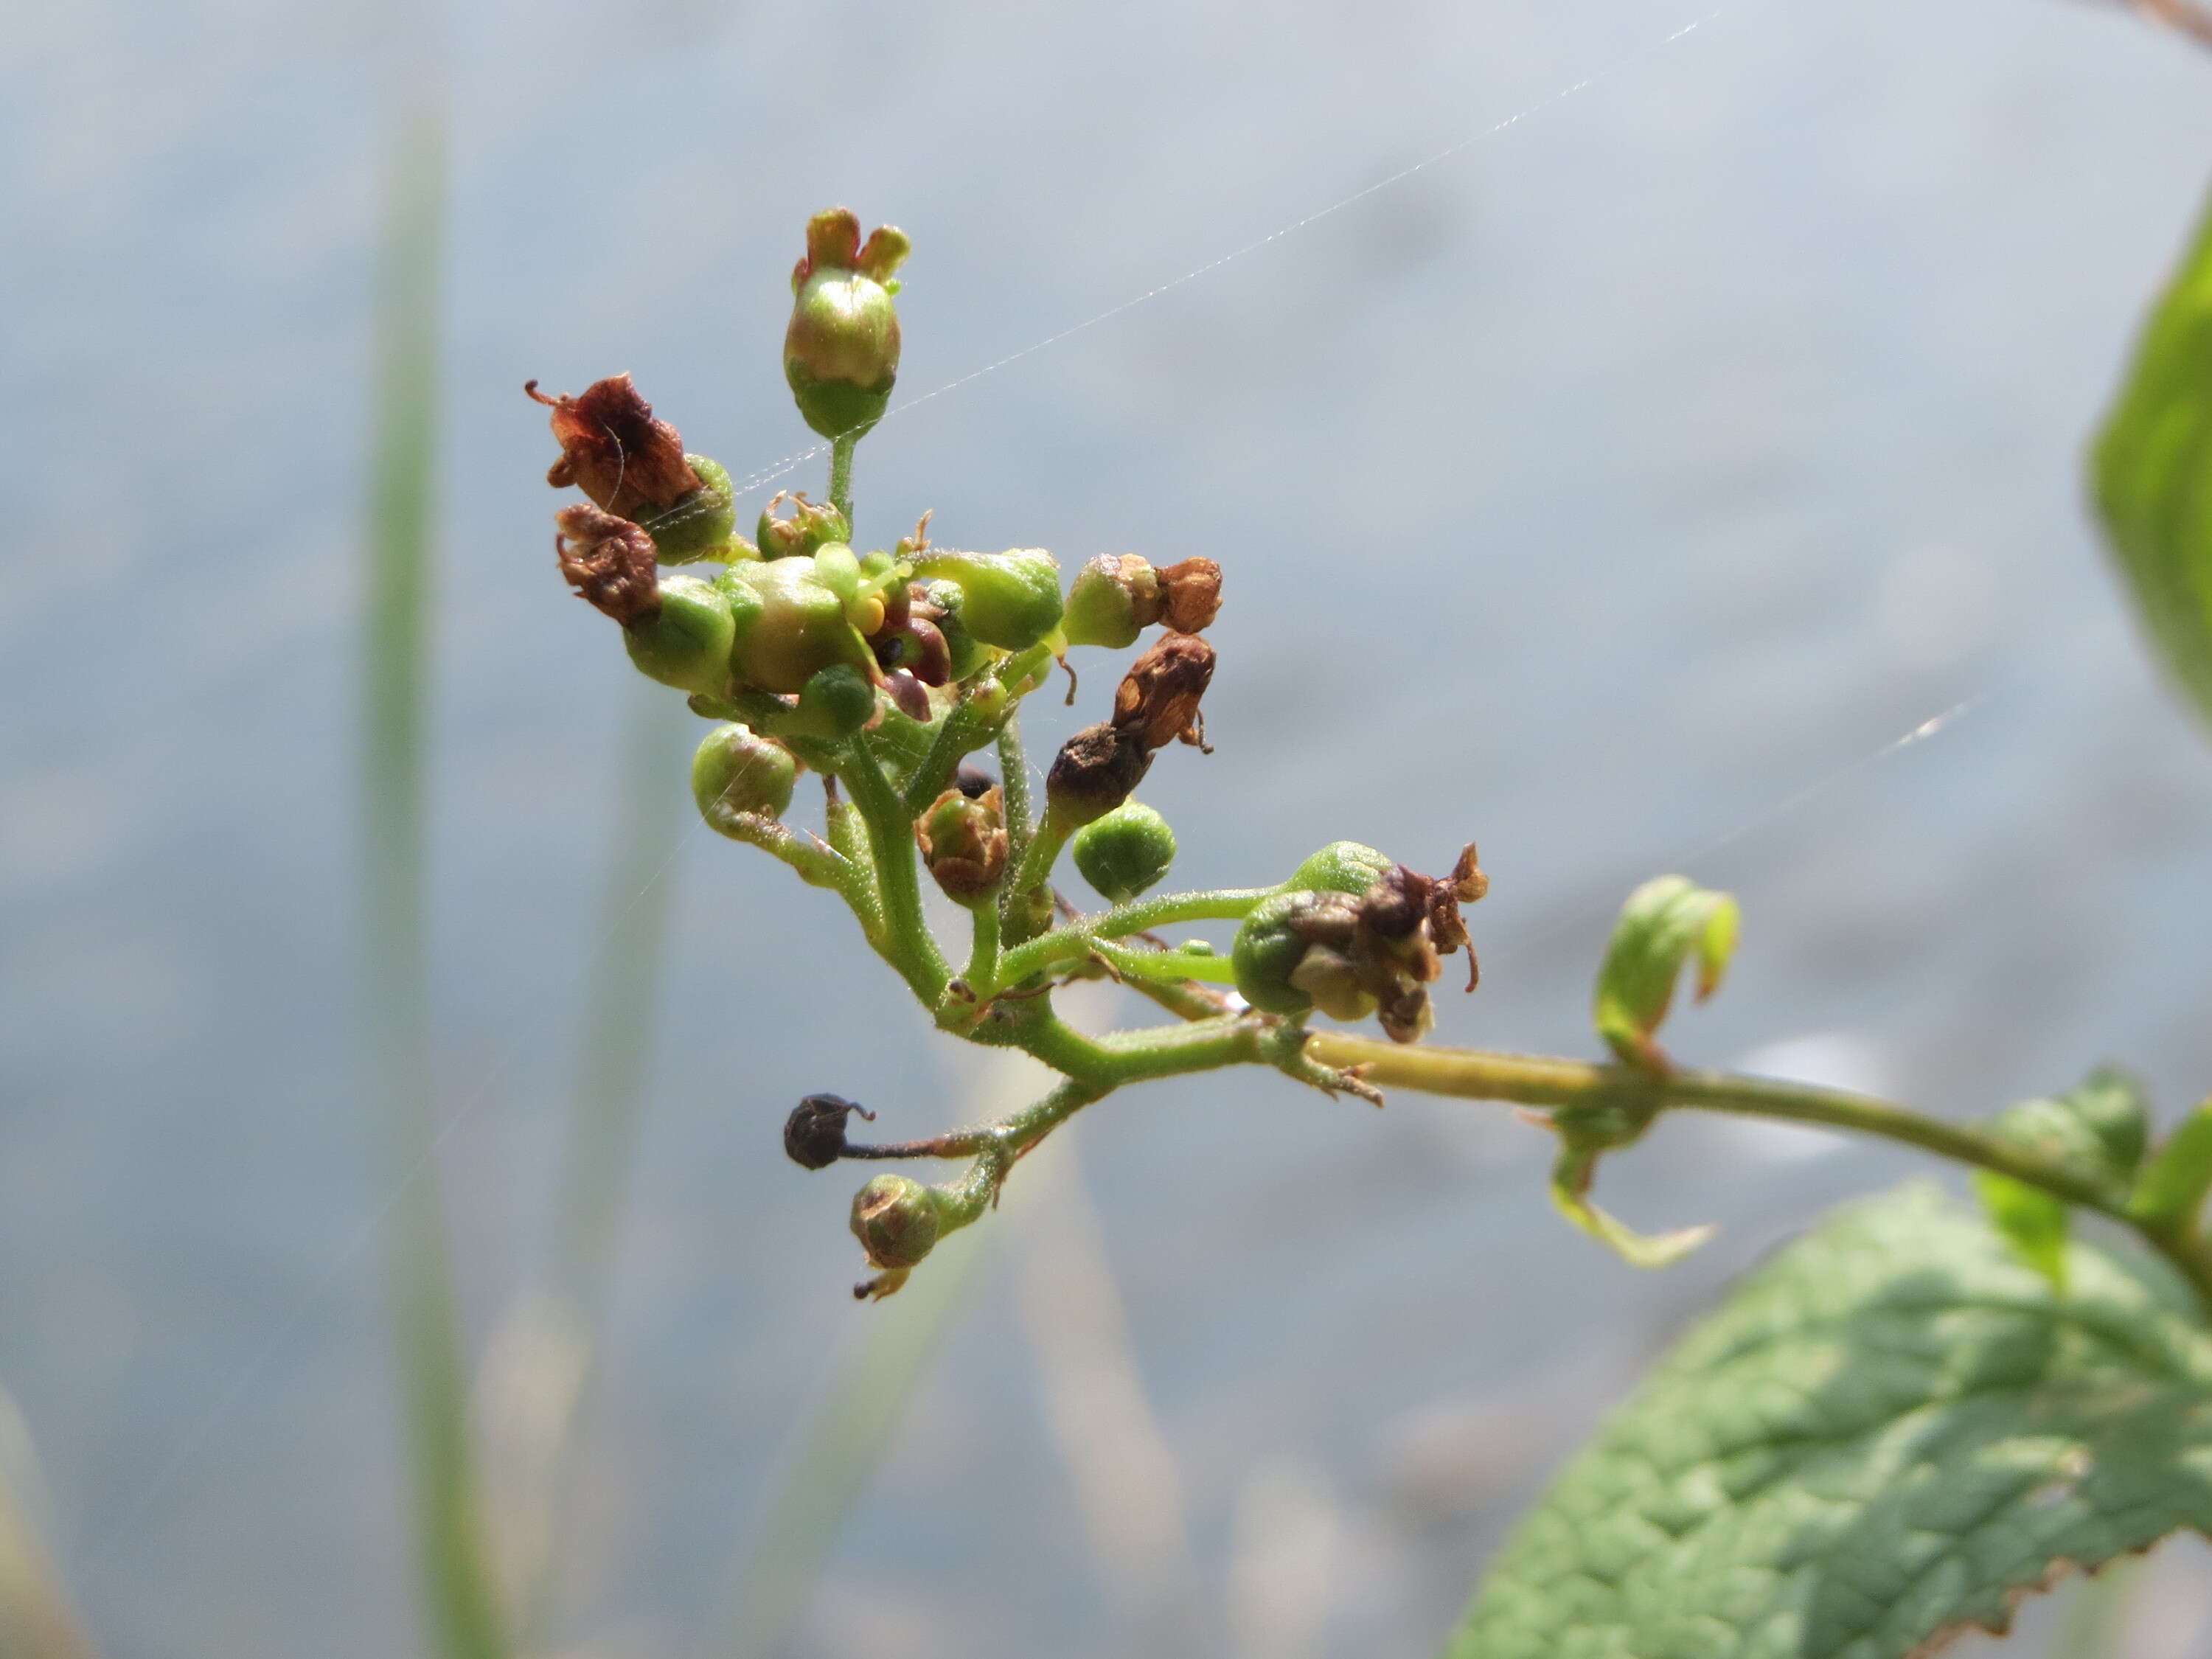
[(1010, 600), (966, 654), (1342, 867), (702, 525), (686, 643), (895, 1219), (841, 353), (963, 842), (1126, 851), (792, 628), (836, 702), (809, 528), (738, 771), (1113, 599)]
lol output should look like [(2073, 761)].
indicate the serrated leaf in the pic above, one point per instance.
[(1667, 922), (1888, 1435), (2152, 475)]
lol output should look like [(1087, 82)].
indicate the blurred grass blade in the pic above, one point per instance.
[(2152, 475), (463, 1611), (36, 1620), (557, 1335)]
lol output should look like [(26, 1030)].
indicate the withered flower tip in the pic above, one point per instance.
[(814, 1133), (609, 561), (615, 451), (1190, 595), (1157, 700)]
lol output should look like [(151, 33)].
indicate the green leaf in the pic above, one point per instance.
[(2097, 1130), (2034, 1223), (2174, 1183), (1665, 923), (1887, 1435), (1570, 1183), (2152, 475)]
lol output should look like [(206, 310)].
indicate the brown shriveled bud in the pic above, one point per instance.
[(814, 1133), (1190, 595), (1157, 699), (615, 451), (609, 561), (963, 841), (1096, 770)]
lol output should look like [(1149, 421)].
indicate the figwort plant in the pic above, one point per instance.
[(1898, 1427)]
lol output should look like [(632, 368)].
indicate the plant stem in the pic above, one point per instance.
[(983, 957), (1014, 781), (841, 473), (1132, 964), (1073, 942), (907, 943), (1537, 1080)]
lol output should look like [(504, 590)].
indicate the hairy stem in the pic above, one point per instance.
[(906, 942), (1538, 1080), (1073, 942), (841, 473)]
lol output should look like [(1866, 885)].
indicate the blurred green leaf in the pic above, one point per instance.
[(1665, 923), (2034, 1223), (2098, 1131), (463, 1609), (2152, 475), (2173, 1184), (1570, 1183), (1886, 1438)]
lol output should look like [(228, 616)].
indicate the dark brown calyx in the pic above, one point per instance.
[(615, 451), (1096, 770), (609, 561)]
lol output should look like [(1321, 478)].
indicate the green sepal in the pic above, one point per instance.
[(1667, 922), (837, 409), (788, 625), (1011, 599), (967, 653), (702, 525), (2171, 1191), (737, 771), (2152, 475), (1124, 853), (686, 644), (833, 705), (1342, 867), (1101, 610), (1267, 953)]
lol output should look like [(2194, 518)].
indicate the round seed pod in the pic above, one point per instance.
[(1126, 851)]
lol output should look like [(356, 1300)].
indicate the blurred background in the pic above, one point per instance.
[(1617, 491)]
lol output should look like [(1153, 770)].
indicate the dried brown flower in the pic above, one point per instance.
[(1190, 595), (609, 561), (615, 451), (1157, 699)]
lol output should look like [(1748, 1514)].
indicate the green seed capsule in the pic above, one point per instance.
[(833, 705), (895, 1219), (1111, 601), (687, 643), (1125, 851), (797, 628), (702, 525), (1342, 867), (1010, 600), (1267, 952), (736, 770)]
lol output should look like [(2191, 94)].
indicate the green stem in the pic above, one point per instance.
[(1014, 781), (1537, 1080), (1040, 855), (1073, 942), (1165, 964), (906, 942), (983, 957), (841, 473)]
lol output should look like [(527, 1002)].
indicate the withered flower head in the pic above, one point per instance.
[(609, 561), (963, 840), (1157, 699), (1190, 595), (615, 451), (814, 1133), (1096, 770)]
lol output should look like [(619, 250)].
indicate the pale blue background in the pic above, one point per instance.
[(1596, 492)]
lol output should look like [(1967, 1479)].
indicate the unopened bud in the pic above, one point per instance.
[(838, 701), (1342, 867), (963, 841), (809, 528), (685, 642), (814, 1133), (738, 771), (789, 625), (609, 561), (895, 1219), (1008, 599), (1157, 700), (841, 353), (1126, 851), (1113, 599), (1096, 770)]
